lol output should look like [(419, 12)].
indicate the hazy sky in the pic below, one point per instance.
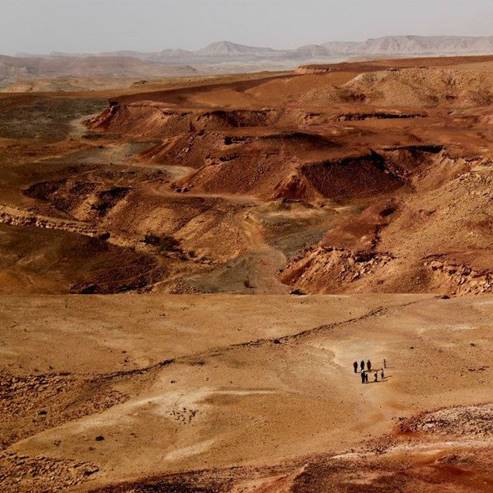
[(41, 26)]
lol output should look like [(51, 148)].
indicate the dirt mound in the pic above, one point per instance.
[(233, 176), (90, 192), (323, 95), (187, 149), (152, 120), (295, 187), (352, 177), (471, 421), (458, 274), (343, 179), (422, 87), (260, 165), (85, 200), (195, 149), (331, 270)]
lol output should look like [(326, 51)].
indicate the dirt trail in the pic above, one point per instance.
[(268, 260), (126, 155)]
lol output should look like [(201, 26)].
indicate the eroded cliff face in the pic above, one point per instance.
[(356, 167), (347, 180)]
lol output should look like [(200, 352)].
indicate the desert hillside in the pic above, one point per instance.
[(245, 394), (191, 266), (360, 177)]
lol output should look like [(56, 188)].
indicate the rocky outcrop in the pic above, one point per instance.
[(468, 421), (457, 278), (41, 474), (331, 270)]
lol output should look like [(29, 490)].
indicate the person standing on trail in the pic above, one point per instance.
[(362, 365), (355, 366), (363, 377), (367, 379), (382, 375), (368, 365), (376, 377)]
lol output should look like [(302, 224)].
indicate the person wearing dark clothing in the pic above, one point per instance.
[(362, 365), (363, 377), (384, 363), (367, 378), (382, 375), (368, 365), (355, 366), (376, 377)]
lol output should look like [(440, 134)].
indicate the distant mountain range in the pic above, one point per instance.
[(418, 45), (227, 51), (225, 56), (386, 46)]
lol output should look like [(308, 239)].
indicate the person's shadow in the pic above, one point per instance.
[(380, 379)]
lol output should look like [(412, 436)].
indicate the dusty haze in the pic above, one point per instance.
[(64, 25)]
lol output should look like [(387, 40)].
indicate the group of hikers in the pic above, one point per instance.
[(365, 371)]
